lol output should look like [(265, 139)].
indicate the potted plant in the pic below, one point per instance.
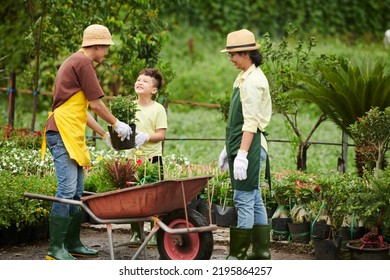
[(303, 186), (282, 192), (352, 228), (222, 197), (334, 201), (372, 205), (124, 109), (371, 133)]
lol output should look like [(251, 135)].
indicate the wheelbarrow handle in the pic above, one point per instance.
[(52, 198)]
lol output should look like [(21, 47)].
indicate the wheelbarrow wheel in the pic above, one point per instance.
[(189, 246)]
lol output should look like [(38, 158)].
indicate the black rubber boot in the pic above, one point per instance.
[(58, 228), (240, 240), (260, 243), (73, 242)]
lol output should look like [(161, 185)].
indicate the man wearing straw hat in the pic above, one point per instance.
[(246, 147), (76, 88)]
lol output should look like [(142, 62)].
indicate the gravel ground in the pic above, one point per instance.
[(95, 236)]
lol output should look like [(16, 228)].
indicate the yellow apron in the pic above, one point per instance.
[(71, 119)]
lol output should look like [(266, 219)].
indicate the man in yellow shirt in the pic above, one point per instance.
[(76, 88)]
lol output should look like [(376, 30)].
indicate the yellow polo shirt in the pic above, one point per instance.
[(254, 86)]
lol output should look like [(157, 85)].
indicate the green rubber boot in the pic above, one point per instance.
[(73, 242), (260, 243), (58, 229), (240, 240), (153, 241), (136, 236)]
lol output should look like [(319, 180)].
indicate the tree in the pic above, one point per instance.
[(54, 31), (346, 91), (371, 133), (281, 64)]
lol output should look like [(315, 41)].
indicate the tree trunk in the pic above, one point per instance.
[(304, 145), (302, 156)]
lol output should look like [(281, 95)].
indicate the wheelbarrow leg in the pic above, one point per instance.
[(147, 239), (110, 242)]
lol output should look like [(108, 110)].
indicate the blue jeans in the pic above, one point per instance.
[(249, 204), (70, 176)]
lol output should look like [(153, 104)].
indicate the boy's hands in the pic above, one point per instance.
[(107, 138), (140, 139)]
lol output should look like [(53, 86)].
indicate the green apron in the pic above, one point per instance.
[(233, 142)]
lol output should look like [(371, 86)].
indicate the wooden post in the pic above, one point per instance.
[(34, 110), (11, 100)]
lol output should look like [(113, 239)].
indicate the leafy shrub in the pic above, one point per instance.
[(372, 203), (337, 189), (15, 209), (371, 134)]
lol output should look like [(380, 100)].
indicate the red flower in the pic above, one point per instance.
[(39, 133), (139, 162)]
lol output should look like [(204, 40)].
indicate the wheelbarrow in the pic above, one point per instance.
[(182, 233)]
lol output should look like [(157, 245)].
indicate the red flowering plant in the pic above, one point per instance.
[(304, 190), (22, 137), (292, 191)]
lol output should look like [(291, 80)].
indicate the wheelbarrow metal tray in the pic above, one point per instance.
[(145, 200)]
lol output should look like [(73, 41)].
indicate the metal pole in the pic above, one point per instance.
[(342, 162)]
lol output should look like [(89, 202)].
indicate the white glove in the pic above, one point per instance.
[(140, 139), (223, 160), (123, 130), (240, 165), (107, 138)]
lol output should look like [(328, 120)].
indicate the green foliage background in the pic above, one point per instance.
[(348, 19), (184, 38)]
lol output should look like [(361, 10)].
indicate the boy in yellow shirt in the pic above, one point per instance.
[(151, 125), (151, 116)]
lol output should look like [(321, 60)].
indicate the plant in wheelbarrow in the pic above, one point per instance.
[(124, 109), (111, 174), (161, 202)]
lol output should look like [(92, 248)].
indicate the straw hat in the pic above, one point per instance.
[(96, 34), (241, 40)]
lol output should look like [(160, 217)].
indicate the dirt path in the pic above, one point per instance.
[(95, 236)]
